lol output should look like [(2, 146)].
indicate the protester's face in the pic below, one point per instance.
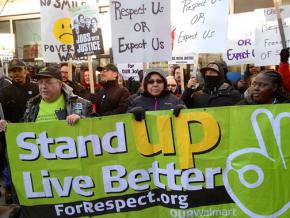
[(87, 77), (177, 75), (262, 89), (170, 69), (64, 73), (107, 75), (155, 85), (211, 73), (49, 89), (18, 75), (254, 70), (171, 85)]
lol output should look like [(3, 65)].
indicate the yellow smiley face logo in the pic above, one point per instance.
[(62, 31)]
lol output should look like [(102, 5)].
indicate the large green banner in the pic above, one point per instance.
[(217, 162)]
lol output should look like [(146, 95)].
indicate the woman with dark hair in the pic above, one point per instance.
[(266, 88)]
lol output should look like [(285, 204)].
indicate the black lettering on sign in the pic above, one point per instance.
[(124, 12), (189, 6), (157, 10), (142, 26), (61, 4), (123, 47), (157, 44)]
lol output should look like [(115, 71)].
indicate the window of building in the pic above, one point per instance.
[(4, 27), (28, 38)]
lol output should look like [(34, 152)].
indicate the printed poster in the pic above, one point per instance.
[(56, 29), (86, 31)]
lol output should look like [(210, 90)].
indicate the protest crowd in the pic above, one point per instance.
[(49, 95), (72, 91)]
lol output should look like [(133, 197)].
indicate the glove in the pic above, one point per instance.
[(284, 55), (176, 110), (139, 113)]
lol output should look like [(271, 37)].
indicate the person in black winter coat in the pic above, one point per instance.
[(111, 98), (155, 96), (13, 100), (215, 92)]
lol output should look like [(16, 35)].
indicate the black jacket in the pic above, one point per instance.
[(13, 99), (224, 96), (111, 99), (165, 101)]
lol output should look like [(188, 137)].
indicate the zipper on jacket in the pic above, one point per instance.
[(155, 104)]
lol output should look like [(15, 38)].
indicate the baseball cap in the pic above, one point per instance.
[(111, 67), (14, 63), (212, 66), (48, 72)]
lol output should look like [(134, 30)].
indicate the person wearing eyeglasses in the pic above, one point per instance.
[(56, 100), (155, 96)]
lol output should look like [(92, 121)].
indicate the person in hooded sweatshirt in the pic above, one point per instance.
[(155, 96), (215, 92)]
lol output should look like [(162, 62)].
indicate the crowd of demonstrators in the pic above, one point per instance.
[(54, 97), (155, 96), (215, 91)]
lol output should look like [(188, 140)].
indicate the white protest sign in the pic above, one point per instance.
[(56, 30), (140, 30), (241, 39), (267, 36), (130, 70), (200, 26)]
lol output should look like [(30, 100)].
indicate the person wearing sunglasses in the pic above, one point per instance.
[(155, 96)]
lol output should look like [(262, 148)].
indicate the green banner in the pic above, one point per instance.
[(216, 162)]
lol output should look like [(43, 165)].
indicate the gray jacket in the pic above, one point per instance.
[(73, 105)]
